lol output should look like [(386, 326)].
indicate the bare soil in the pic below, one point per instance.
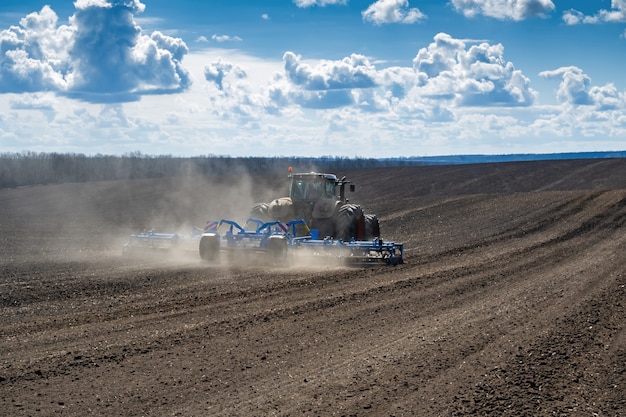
[(511, 301)]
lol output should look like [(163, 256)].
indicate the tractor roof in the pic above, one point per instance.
[(331, 177)]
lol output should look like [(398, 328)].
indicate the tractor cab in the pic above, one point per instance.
[(312, 187)]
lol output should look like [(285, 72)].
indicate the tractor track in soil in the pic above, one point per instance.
[(509, 303)]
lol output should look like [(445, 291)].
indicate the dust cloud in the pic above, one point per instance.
[(186, 204), (83, 222)]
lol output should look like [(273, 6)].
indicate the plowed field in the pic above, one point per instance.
[(511, 301)]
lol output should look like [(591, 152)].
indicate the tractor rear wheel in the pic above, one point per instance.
[(350, 223), (372, 227)]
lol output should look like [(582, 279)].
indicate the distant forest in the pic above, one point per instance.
[(30, 168)]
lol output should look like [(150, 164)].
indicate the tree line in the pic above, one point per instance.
[(29, 168)]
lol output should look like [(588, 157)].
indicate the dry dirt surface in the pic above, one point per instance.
[(511, 301)]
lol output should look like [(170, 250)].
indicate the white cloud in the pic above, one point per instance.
[(112, 58), (217, 71), (439, 57), (101, 55), (478, 76), (504, 9), (354, 71), (34, 57), (175, 46), (459, 94), (446, 74), (617, 14), (321, 3), (391, 11), (608, 98), (327, 84), (225, 38), (573, 17), (576, 89)]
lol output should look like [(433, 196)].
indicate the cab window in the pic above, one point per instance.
[(330, 189)]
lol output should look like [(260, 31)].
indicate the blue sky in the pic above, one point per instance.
[(312, 77)]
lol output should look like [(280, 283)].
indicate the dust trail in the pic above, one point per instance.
[(184, 205)]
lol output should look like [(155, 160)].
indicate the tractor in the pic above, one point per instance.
[(315, 220), (320, 200)]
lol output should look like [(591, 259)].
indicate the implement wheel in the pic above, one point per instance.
[(277, 251), (209, 247)]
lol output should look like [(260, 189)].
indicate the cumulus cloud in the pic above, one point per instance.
[(217, 71), (321, 3), (233, 95), (34, 56), (328, 84), (354, 71), (225, 38), (474, 76), (100, 56), (617, 14), (391, 11), (135, 5), (439, 57), (111, 57), (576, 89), (447, 73), (504, 9)]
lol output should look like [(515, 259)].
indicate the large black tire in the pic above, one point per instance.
[(209, 247), (372, 227), (350, 223), (260, 211), (277, 251)]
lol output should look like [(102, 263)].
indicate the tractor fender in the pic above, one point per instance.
[(325, 208), (281, 208)]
